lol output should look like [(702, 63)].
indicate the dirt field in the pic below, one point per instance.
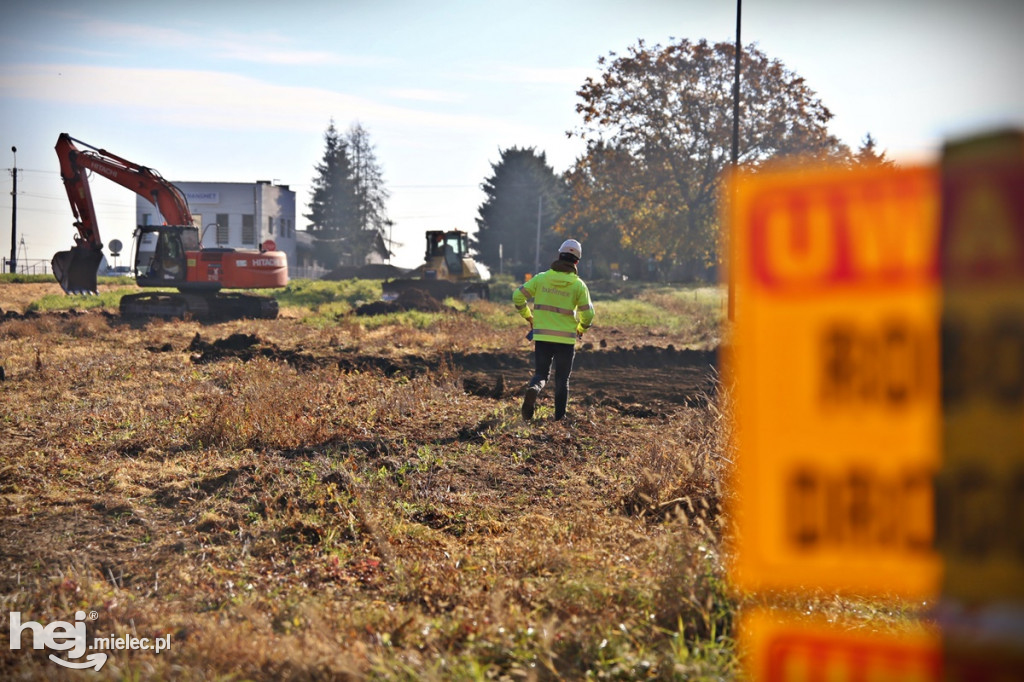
[(657, 377), (297, 500), (291, 502), (17, 297)]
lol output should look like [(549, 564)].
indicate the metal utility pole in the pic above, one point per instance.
[(536, 264), (14, 213), (736, 91), (735, 153)]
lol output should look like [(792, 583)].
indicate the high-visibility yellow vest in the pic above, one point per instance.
[(561, 305)]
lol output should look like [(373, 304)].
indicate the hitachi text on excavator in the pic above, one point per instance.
[(169, 256)]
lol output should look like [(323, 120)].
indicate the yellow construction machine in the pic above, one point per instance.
[(447, 270)]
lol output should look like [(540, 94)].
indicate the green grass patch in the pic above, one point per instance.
[(120, 280), (414, 319), (496, 314), (327, 301), (698, 310), (314, 294), (17, 278), (107, 299)]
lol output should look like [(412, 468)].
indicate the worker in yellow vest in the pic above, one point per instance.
[(562, 311)]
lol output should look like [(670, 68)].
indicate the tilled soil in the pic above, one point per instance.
[(646, 375), (261, 490)]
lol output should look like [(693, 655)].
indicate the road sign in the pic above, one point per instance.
[(835, 367), (782, 648), (981, 487)]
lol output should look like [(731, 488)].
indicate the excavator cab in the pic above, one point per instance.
[(160, 254), (76, 268)]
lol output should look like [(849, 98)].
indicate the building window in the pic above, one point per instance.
[(270, 225), (222, 228), (248, 228)]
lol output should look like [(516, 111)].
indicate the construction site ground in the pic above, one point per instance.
[(289, 500)]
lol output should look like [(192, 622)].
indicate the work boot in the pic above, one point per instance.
[(529, 402)]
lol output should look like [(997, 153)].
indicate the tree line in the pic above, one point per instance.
[(643, 196)]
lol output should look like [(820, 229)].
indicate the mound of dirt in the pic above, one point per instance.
[(417, 299), (15, 315), (378, 308), (235, 342), (410, 299), (245, 347), (372, 271)]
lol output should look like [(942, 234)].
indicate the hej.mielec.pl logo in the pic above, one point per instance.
[(71, 638)]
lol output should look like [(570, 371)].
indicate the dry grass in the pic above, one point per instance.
[(282, 520)]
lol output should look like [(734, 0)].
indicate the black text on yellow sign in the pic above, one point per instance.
[(981, 487), (835, 362)]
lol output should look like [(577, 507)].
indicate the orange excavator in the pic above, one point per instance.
[(168, 256)]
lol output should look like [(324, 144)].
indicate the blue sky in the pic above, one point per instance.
[(239, 92)]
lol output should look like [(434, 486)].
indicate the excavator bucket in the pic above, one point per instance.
[(75, 270)]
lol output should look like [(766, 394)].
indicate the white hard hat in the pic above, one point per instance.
[(571, 246)]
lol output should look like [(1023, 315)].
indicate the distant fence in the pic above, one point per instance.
[(27, 266), (306, 272)]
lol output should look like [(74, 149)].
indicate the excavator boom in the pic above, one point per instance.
[(76, 269)]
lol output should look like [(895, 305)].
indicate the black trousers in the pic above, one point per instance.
[(546, 352)]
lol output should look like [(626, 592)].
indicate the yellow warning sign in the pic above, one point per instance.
[(780, 648), (835, 370), (981, 486)]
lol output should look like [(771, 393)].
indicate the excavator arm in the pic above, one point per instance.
[(76, 269)]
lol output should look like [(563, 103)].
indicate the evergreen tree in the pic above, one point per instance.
[(347, 204), (868, 153), (522, 184), (371, 194), (332, 205)]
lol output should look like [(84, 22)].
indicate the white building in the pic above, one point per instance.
[(236, 215)]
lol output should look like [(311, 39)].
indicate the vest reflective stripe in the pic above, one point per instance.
[(553, 309), (585, 307), (525, 292), (553, 332), (520, 307)]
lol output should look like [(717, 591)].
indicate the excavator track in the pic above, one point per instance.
[(171, 305)]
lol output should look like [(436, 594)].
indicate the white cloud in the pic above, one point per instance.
[(210, 99), (263, 47), (424, 95), (555, 76)]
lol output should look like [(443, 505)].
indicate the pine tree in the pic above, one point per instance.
[(522, 185), (371, 194), (333, 205), (868, 153)]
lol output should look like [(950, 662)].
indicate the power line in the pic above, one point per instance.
[(431, 186)]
